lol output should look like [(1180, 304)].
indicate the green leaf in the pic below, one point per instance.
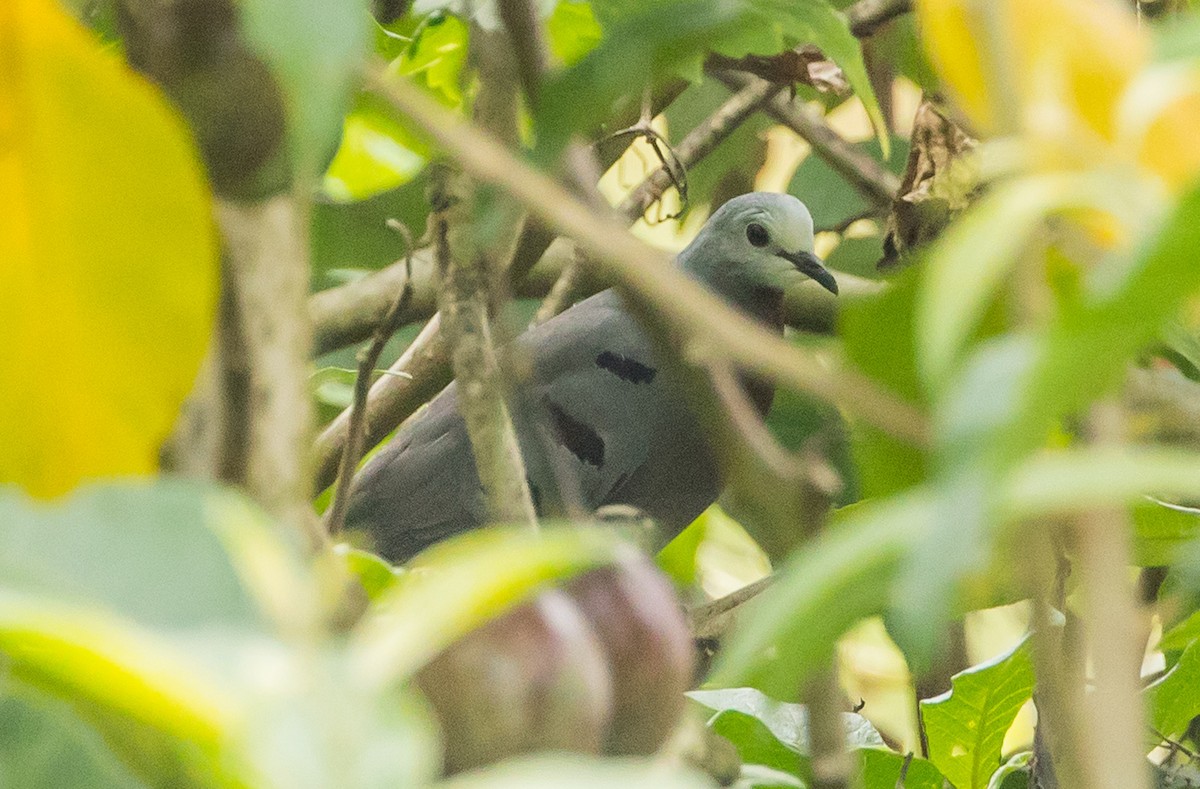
[(774, 734), (1126, 301), (787, 723), (877, 335), (315, 49), (1175, 699), (881, 770), (1070, 481), (841, 577), (1014, 773), (1161, 531), (755, 742), (1181, 636), (572, 31), (964, 269), (966, 726), (43, 743), (355, 235), (816, 22), (373, 572), (858, 255), (831, 199), (457, 585)]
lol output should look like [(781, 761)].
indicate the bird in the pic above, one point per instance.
[(599, 420)]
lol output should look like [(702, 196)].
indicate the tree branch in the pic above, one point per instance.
[(368, 358), (713, 326), (871, 179), (867, 16)]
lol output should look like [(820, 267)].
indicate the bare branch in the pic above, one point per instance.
[(390, 399), (713, 619), (867, 16), (368, 358), (699, 143), (865, 174), (647, 274)]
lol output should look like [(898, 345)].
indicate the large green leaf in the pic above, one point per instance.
[(1175, 699), (965, 268), (843, 576), (775, 735), (1067, 481), (881, 769), (965, 727), (878, 339), (645, 41)]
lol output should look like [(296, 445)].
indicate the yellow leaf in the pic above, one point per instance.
[(1043, 66), (107, 257)]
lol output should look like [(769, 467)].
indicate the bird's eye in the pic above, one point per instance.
[(756, 234)]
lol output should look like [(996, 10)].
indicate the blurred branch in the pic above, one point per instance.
[(829, 759), (467, 323), (867, 16), (711, 326), (520, 18), (267, 265), (870, 178), (1112, 750), (368, 358)]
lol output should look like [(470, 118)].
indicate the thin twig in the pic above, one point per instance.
[(648, 275), (390, 400), (871, 179), (710, 620), (368, 358), (699, 143), (867, 16)]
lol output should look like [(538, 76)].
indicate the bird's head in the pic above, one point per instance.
[(758, 240)]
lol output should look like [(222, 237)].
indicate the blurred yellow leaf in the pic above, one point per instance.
[(107, 257), (1040, 65)]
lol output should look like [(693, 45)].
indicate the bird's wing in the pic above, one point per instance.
[(422, 487), (604, 410), (594, 419)]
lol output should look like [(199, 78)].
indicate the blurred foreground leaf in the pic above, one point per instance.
[(457, 585), (109, 266)]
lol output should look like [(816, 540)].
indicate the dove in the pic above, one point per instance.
[(600, 420)]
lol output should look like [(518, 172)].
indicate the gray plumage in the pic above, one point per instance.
[(600, 421)]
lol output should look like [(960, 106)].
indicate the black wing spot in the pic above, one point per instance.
[(583, 442), (625, 368)]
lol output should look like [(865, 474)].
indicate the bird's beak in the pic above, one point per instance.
[(809, 264)]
